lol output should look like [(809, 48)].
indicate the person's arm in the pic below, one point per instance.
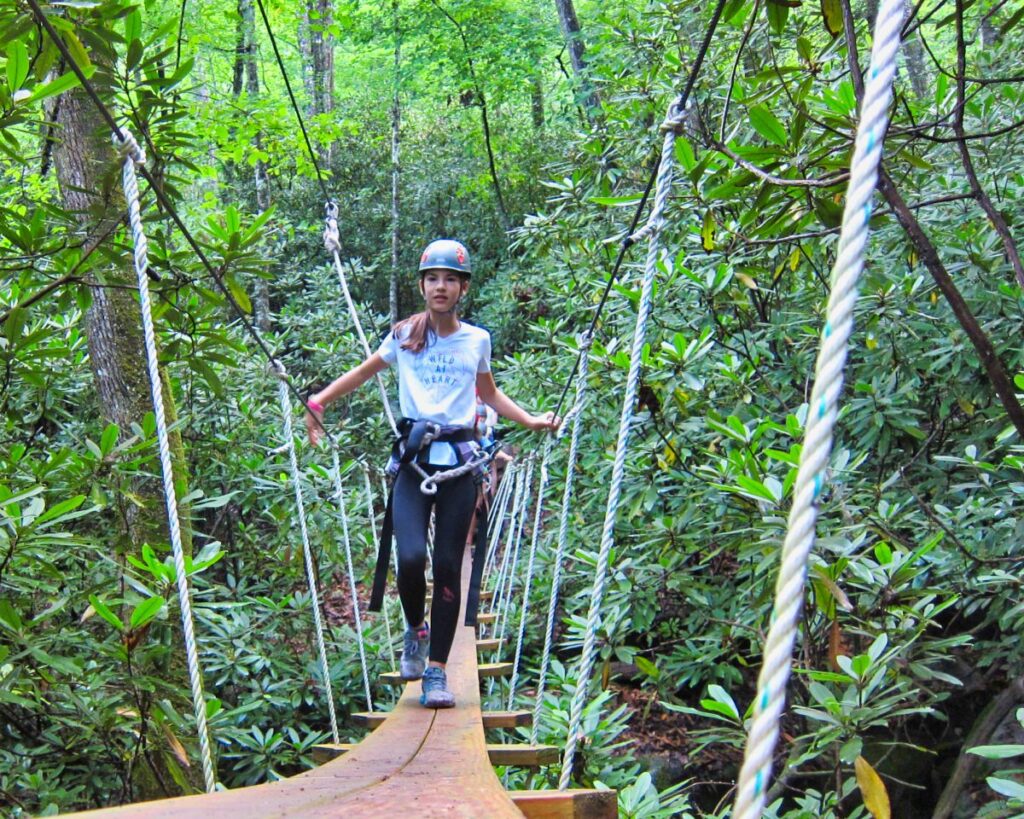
[(339, 388), (507, 408)]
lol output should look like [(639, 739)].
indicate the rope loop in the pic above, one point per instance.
[(276, 369), (675, 118), (129, 147), (332, 239)]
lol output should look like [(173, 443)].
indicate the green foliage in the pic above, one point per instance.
[(913, 599)]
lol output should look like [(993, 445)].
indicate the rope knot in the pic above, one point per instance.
[(276, 368), (675, 119), (332, 241), (129, 147)]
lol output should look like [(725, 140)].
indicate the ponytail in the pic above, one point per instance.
[(420, 332)]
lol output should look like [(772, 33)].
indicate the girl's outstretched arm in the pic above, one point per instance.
[(338, 388), (507, 408)]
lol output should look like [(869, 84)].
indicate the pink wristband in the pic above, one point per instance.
[(314, 406)]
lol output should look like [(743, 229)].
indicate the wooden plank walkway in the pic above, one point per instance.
[(430, 762)]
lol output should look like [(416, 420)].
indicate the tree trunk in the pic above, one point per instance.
[(246, 65), (319, 57), (574, 43), (395, 169), (913, 52), (537, 102)]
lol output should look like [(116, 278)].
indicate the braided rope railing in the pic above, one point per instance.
[(652, 232), (307, 552), (510, 579), (828, 384), (134, 155), (339, 495), (563, 527), (372, 518), (332, 241), (499, 583), (506, 579), (531, 560), (496, 524)]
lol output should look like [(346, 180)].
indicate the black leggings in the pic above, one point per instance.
[(453, 503)]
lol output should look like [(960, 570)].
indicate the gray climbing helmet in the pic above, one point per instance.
[(446, 254)]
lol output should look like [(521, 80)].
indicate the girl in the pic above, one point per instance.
[(443, 363)]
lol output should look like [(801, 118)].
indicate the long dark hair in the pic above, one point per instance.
[(421, 331)]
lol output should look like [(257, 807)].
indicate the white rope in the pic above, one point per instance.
[(300, 508), (134, 155), (372, 517), (563, 528), (496, 524), (339, 494), (652, 231), (499, 583), (828, 384), (503, 612), (531, 560), (332, 241)]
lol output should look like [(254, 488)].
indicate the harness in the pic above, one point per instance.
[(413, 442)]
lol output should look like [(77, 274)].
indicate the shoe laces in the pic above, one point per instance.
[(434, 679)]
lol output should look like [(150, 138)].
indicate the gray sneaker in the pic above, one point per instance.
[(435, 689), (415, 653)]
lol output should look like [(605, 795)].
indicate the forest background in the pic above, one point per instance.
[(527, 130)]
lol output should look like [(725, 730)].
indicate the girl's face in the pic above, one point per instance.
[(442, 289)]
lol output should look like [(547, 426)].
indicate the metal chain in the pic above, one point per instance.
[(134, 155), (824, 407)]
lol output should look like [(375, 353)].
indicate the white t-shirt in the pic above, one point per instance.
[(439, 384)]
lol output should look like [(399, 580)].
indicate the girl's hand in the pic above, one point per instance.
[(314, 425), (547, 421)]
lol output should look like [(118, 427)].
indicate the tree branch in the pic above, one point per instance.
[(979, 735), (928, 254), (998, 222), (828, 182)]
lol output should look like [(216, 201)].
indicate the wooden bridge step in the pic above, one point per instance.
[(484, 669), (324, 753), (492, 644), (524, 756), (568, 804), (494, 669), (491, 719), (485, 617)]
